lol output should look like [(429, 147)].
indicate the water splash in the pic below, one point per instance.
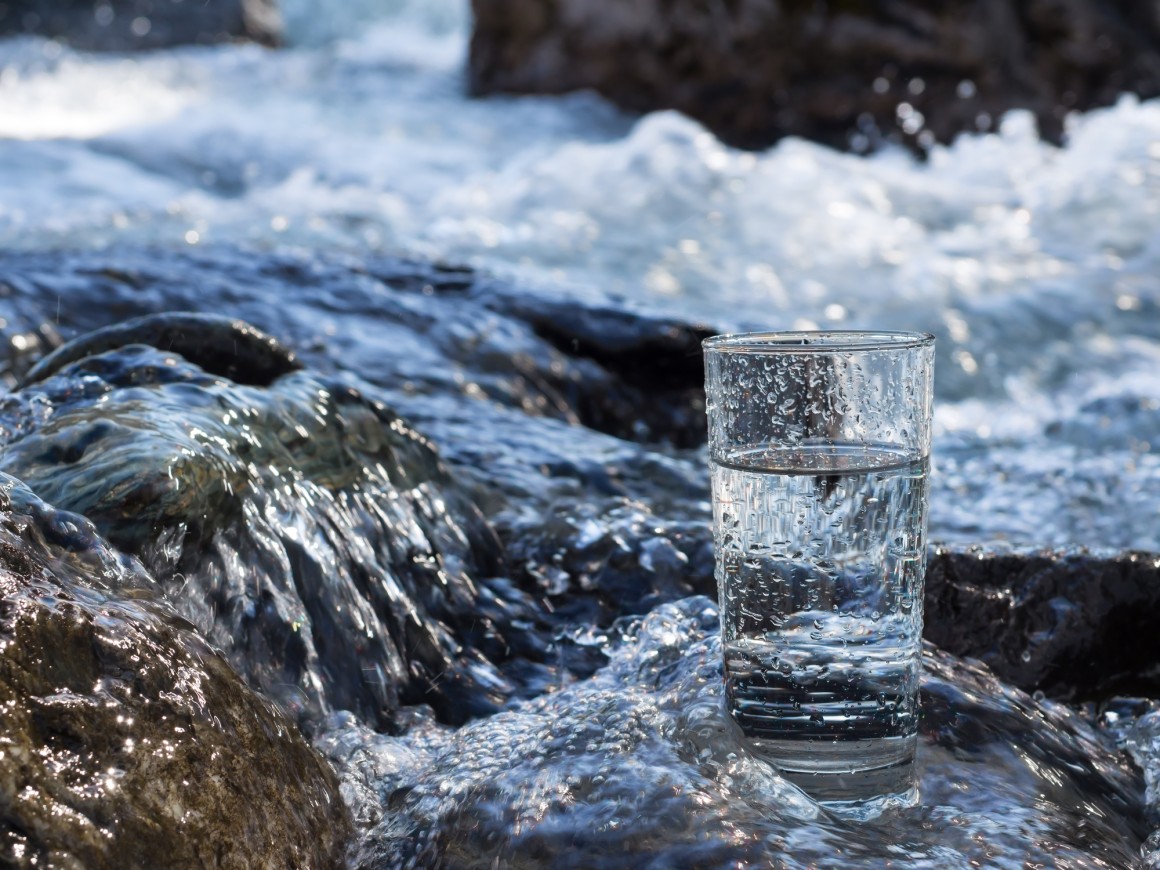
[(1035, 266), (624, 750), (640, 765), (306, 531)]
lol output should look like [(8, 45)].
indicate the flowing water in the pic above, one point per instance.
[(274, 186), (1035, 266)]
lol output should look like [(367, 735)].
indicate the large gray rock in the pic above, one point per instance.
[(125, 742), (844, 72), (126, 25)]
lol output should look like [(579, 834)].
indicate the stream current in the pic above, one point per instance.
[(582, 722)]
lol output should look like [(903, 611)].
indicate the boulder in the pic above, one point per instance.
[(125, 741), (1075, 624), (305, 529), (847, 73), (523, 395), (218, 345), (127, 25)]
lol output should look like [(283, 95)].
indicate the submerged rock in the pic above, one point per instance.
[(307, 531), (124, 740), (640, 766), (127, 25), (845, 73), (217, 345)]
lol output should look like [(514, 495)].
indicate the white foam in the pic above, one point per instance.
[(58, 95), (1038, 267)]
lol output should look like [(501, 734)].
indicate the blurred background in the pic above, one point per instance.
[(987, 171)]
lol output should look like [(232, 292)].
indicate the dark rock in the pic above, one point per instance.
[(1075, 624), (599, 562), (441, 330), (217, 345), (847, 72), (127, 25), (125, 741), (658, 373)]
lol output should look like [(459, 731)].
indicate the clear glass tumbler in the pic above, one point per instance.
[(819, 447)]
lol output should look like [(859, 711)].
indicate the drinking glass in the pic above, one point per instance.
[(819, 447)]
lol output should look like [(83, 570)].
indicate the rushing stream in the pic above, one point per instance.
[(453, 517)]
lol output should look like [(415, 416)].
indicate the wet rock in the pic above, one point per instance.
[(217, 345), (845, 73), (603, 560), (655, 365), (128, 25), (640, 766), (1075, 624), (463, 356), (441, 331), (306, 530), (286, 574), (125, 741)]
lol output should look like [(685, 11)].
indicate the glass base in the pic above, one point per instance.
[(846, 774)]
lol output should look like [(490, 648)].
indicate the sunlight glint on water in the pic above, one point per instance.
[(1036, 267)]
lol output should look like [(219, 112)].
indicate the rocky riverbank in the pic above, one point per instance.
[(126, 741), (457, 531)]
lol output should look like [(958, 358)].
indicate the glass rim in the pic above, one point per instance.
[(817, 341)]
